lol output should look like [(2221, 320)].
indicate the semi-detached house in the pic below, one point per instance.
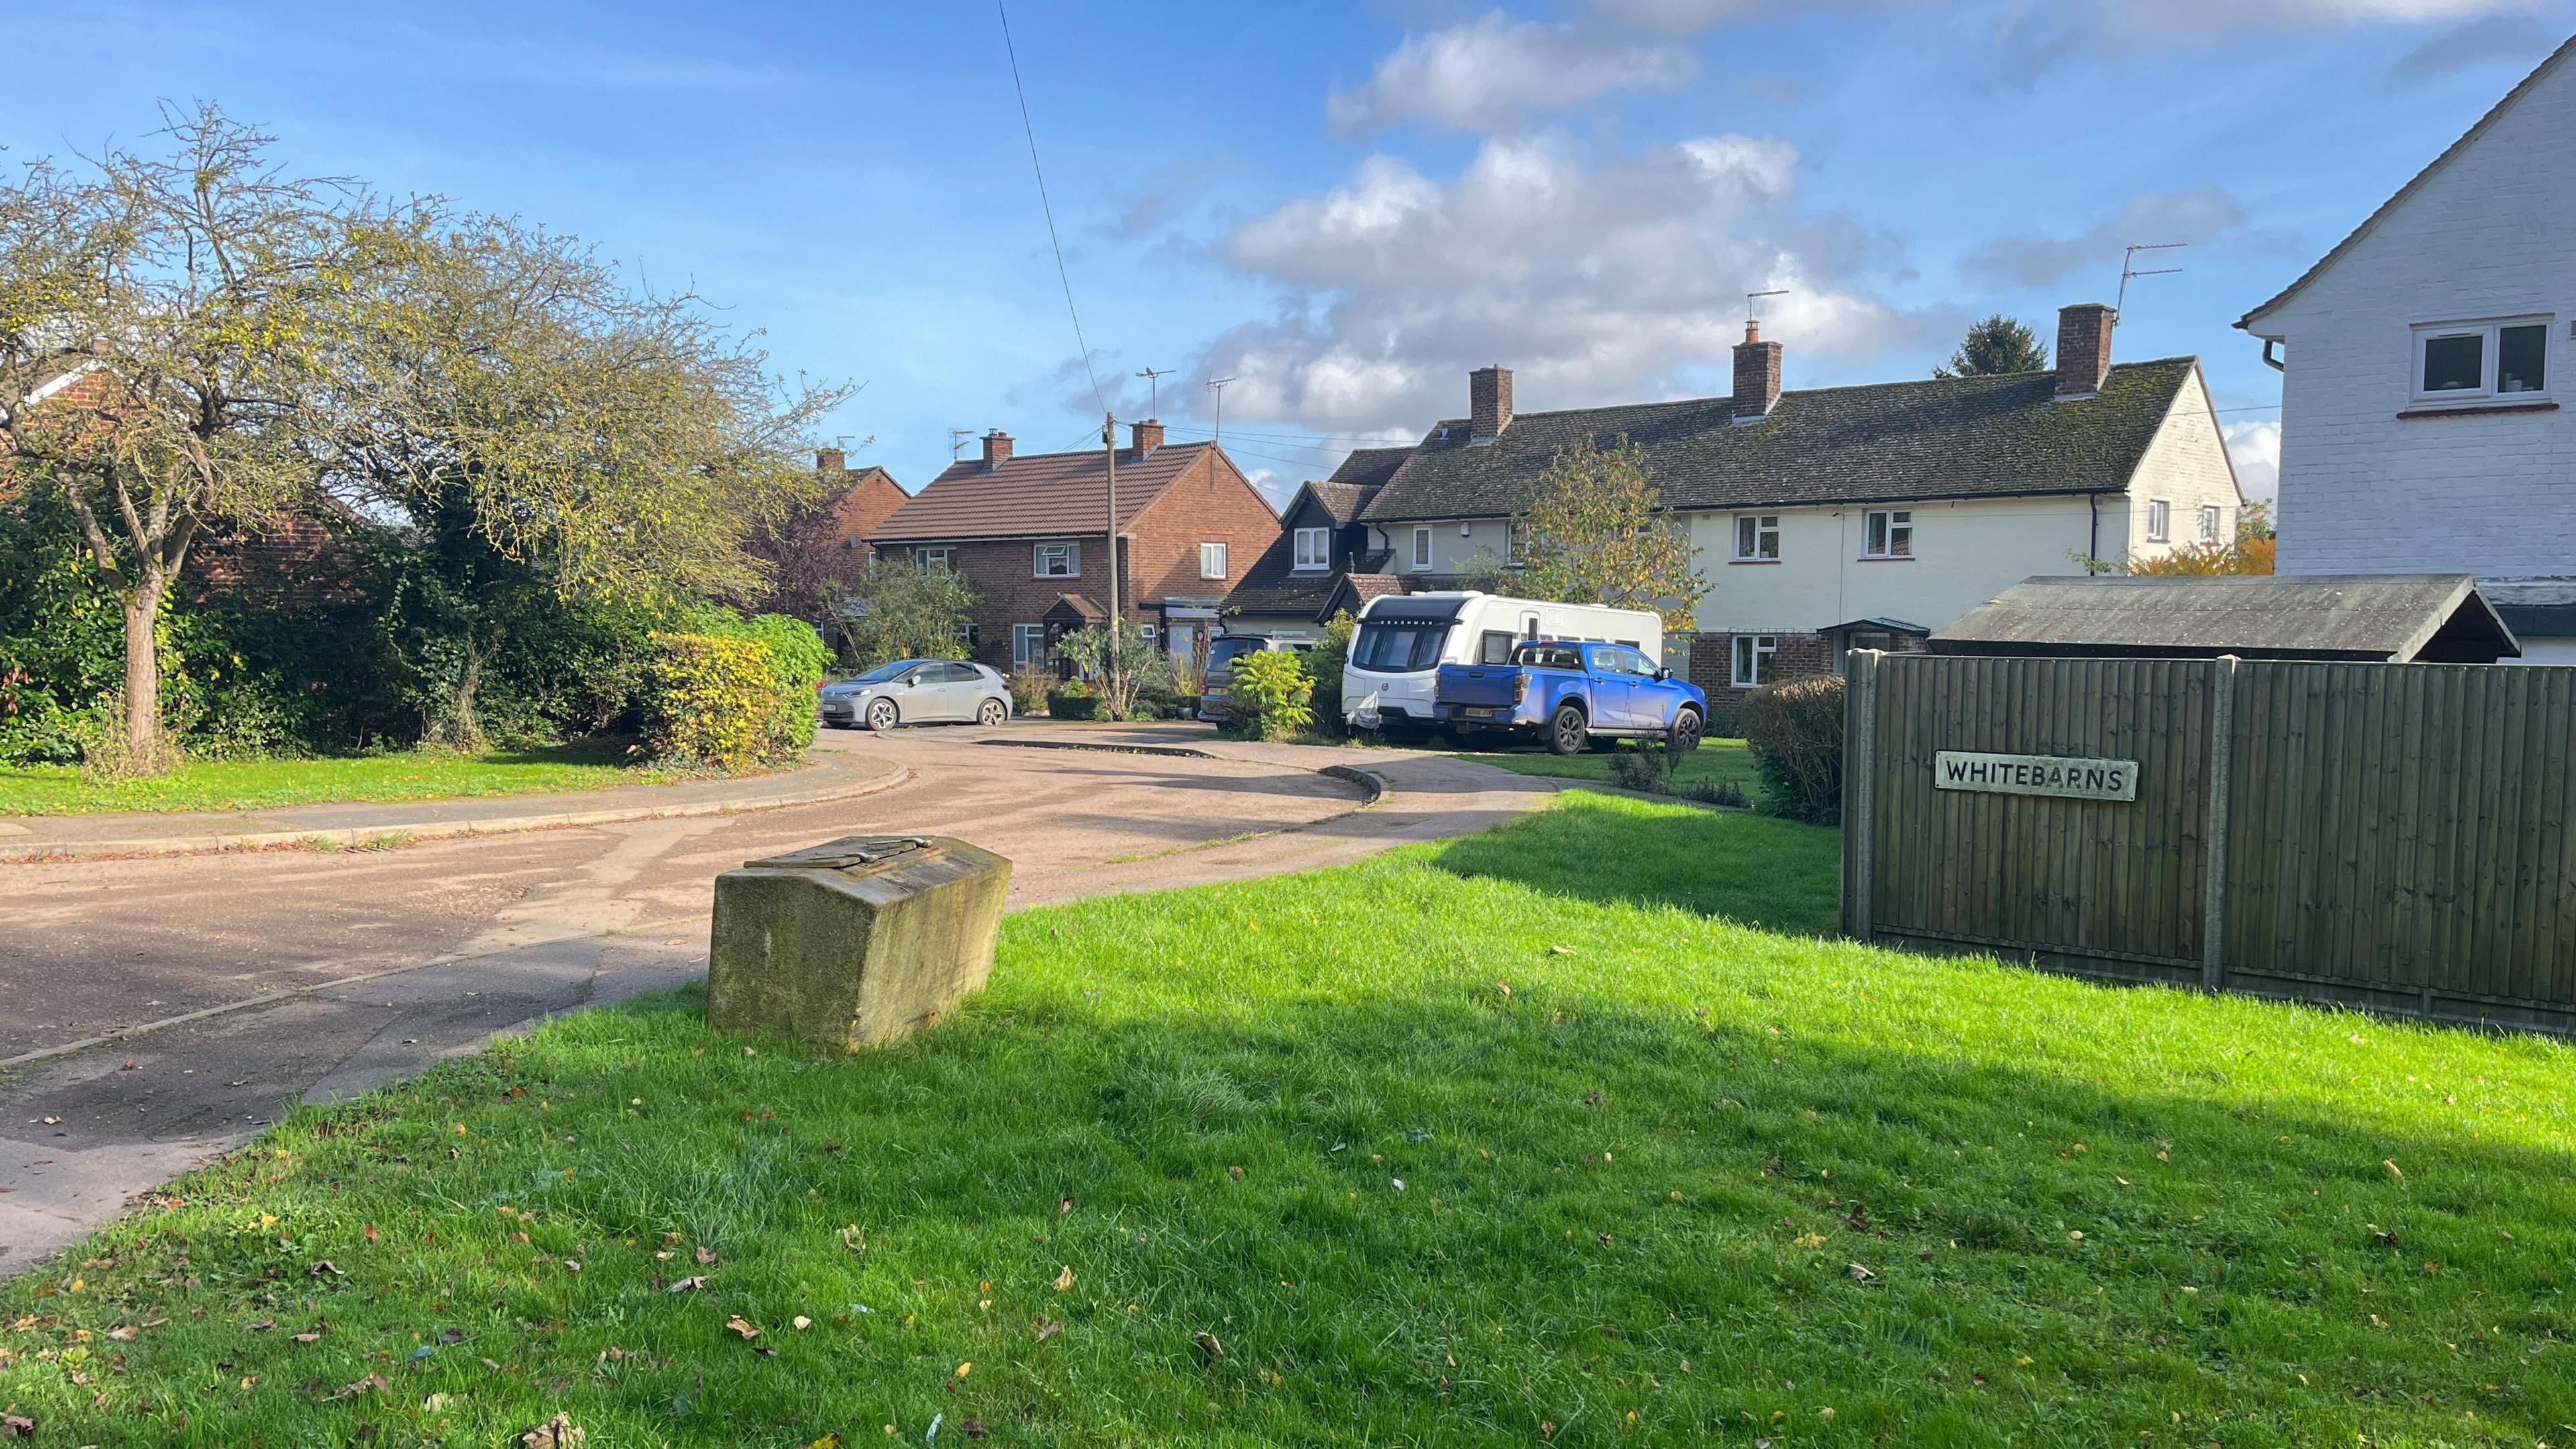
[(2421, 427), (1837, 518), (1031, 533)]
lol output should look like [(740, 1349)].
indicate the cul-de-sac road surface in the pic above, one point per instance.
[(321, 974)]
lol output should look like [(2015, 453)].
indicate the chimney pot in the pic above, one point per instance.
[(1149, 436), (829, 460), (997, 449), (1757, 375), (2083, 348), (1489, 403)]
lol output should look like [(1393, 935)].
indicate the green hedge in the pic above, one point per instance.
[(733, 694)]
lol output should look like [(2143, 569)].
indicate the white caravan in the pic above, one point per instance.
[(1403, 639)]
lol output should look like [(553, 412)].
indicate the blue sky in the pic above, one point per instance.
[(1345, 207)]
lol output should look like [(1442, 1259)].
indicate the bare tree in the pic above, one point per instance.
[(160, 317)]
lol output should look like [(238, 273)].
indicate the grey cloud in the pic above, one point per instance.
[(2517, 39), (2042, 261)]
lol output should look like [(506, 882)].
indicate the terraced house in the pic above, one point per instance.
[(1032, 534), (1838, 518)]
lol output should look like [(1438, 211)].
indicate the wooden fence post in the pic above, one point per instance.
[(2222, 771), (1860, 779)]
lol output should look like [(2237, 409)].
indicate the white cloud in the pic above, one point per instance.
[(1494, 72), (2174, 216), (2256, 449), (1596, 279)]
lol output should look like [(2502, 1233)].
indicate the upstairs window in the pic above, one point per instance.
[(2159, 520), (1059, 560), (1422, 548), (1211, 560), (2209, 524), (1757, 537), (2468, 360), (1888, 533), (1314, 548), (936, 560)]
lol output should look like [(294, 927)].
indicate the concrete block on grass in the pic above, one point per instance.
[(858, 943)]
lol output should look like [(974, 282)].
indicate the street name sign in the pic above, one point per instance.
[(2036, 775)]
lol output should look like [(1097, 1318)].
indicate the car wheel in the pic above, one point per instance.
[(882, 714), (1686, 730), (1565, 732), (991, 712)]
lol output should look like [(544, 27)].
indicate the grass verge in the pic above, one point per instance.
[(1714, 761), (257, 784), (1700, 1175)]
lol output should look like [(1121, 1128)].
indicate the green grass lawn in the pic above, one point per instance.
[(1700, 1176), (1715, 760), (254, 784)]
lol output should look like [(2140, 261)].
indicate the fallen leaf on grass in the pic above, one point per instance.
[(1209, 1349), (323, 1266), (1861, 1274), (687, 1285), (1064, 1279), (555, 1433), (965, 1368), (974, 1428), (802, 1322), (1503, 986), (259, 1325), (372, 1383), (17, 1426), (1560, 950), (122, 1332), (854, 1240), (704, 1256), (313, 1337), (1063, 1205), (737, 1324), (1048, 1328), (2391, 1164)]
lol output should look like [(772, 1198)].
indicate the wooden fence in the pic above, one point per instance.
[(2395, 837)]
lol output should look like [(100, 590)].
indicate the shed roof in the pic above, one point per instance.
[(1037, 495), (2396, 618), (2003, 435)]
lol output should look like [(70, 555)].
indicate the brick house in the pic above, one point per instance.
[(1324, 561), (1838, 518), (1030, 532), (2421, 427), (857, 502), (816, 552)]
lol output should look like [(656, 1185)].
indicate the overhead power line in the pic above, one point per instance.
[(1030, 128)]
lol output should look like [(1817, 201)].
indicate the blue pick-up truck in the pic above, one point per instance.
[(1570, 694)]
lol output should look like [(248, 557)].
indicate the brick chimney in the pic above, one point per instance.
[(1489, 403), (1149, 436), (1757, 375), (2083, 348), (997, 449), (829, 460)]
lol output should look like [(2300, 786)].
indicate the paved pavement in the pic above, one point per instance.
[(310, 975)]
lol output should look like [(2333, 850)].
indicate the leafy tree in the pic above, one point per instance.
[(1998, 344), (1272, 693), (1598, 533), (1121, 663), (544, 435), (188, 296), (895, 609)]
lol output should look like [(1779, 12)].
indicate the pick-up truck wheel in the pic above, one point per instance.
[(1686, 731), (1565, 731)]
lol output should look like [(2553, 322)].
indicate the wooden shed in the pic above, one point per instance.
[(2362, 618)]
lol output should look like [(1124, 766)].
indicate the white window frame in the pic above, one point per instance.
[(2159, 520), (936, 560), (1314, 550), (1893, 530), (1212, 560), (1071, 553), (1748, 654), (1765, 540), (2489, 334), (1422, 548), (1512, 543), (1028, 645), (1145, 632), (2212, 518)]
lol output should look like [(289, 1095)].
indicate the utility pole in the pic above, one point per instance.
[(1217, 385), (1109, 456), (1153, 381)]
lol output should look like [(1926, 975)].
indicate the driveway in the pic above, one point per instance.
[(308, 975)]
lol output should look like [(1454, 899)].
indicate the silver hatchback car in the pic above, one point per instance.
[(917, 691)]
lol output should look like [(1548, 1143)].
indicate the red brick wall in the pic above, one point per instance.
[(865, 508), (1800, 656), (1209, 503)]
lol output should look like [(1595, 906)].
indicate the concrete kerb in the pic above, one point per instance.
[(405, 833)]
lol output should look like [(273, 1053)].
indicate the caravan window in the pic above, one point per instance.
[(1399, 646), (1494, 647)]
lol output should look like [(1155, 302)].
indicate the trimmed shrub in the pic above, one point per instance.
[(797, 661), (1068, 704), (709, 700), (1271, 693), (1795, 731), (1030, 685)]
